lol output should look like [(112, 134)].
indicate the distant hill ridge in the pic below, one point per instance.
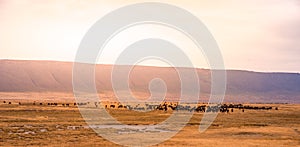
[(55, 76)]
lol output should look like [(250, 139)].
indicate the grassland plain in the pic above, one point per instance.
[(43, 125)]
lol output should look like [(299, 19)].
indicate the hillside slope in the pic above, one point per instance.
[(54, 76)]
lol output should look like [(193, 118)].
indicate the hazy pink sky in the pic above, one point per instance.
[(252, 35)]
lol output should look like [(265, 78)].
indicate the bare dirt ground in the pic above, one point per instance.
[(43, 125)]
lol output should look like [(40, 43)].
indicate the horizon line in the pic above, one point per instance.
[(227, 69)]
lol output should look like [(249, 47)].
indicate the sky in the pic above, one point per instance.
[(252, 35)]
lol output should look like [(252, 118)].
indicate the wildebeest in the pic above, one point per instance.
[(181, 107), (215, 109), (151, 107), (200, 108), (129, 107), (139, 108), (172, 107), (81, 104), (162, 107), (256, 108)]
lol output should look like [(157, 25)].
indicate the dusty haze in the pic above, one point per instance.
[(242, 86)]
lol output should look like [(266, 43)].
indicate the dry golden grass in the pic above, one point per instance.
[(28, 125)]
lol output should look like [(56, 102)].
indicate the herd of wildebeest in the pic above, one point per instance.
[(165, 106)]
